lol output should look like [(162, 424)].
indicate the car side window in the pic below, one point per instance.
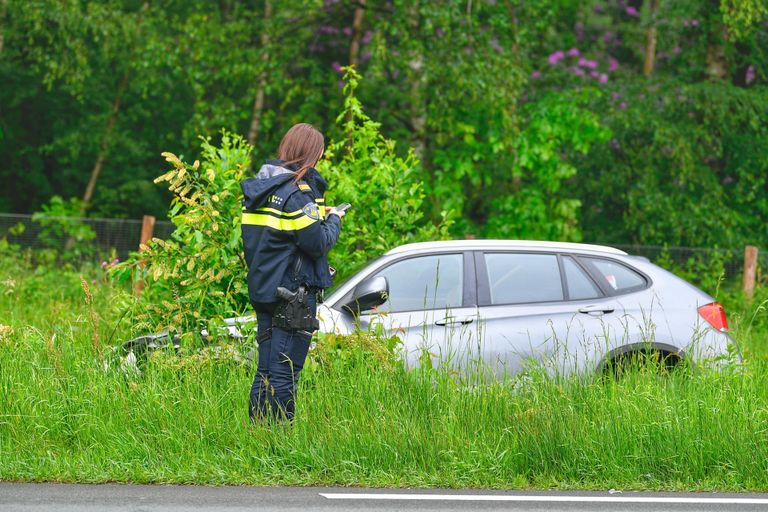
[(580, 286), (516, 278), (425, 282), (618, 277)]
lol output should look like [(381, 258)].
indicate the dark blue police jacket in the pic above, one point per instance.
[(286, 235)]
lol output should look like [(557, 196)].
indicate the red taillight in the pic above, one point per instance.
[(714, 313)]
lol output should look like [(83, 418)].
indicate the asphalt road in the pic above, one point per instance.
[(167, 498)]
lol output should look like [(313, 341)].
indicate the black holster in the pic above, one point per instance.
[(293, 312)]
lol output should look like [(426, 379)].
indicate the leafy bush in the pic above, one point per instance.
[(706, 270), (63, 229), (536, 202), (357, 349), (199, 272), (8, 249)]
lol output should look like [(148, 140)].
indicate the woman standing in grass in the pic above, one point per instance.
[(286, 237)]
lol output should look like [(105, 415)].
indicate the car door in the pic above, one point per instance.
[(431, 305), (539, 306), (633, 321)]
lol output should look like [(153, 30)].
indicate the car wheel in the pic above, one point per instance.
[(648, 361)]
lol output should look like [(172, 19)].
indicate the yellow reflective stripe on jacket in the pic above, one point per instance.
[(281, 224), (278, 212), (320, 202)]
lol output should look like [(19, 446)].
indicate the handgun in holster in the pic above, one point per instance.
[(293, 312)]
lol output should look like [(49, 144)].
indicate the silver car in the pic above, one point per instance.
[(507, 303)]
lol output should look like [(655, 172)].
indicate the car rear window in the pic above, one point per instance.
[(516, 278), (618, 277), (580, 285)]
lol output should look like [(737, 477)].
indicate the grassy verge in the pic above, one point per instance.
[(65, 417)]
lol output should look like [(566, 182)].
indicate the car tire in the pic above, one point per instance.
[(653, 361)]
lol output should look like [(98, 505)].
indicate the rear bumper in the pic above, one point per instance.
[(712, 347)]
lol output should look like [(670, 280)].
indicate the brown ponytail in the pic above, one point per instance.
[(302, 145)]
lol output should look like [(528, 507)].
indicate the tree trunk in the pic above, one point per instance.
[(418, 114), (114, 111), (717, 63), (357, 33), (354, 52), (104, 148), (650, 43), (517, 181), (258, 101)]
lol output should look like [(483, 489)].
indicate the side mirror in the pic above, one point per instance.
[(368, 294)]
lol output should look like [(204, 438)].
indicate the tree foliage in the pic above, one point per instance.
[(741, 16), (537, 203), (107, 86), (686, 166)]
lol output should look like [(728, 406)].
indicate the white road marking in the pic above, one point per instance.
[(543, 498)]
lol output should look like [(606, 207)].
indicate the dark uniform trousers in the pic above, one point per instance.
[(281, 359)]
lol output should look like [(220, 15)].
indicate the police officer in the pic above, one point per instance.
[(287, 233)]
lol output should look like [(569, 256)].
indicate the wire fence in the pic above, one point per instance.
[(106, 236), (673, 258), (122, 236)]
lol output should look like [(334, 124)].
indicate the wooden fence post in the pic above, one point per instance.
[(750, 270), (147, 230)]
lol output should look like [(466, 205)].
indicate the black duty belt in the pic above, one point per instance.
[(266, 335)]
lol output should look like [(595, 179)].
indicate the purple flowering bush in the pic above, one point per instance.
[(561, 64), (685, 157)]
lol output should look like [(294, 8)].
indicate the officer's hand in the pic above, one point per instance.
[(333, 211)]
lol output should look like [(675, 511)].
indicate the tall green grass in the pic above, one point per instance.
[(66, 416)]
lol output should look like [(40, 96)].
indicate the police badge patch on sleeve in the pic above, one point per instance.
[(311, 211)]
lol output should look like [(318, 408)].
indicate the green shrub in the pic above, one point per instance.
[(536, 201), (199, 272), (63, 230), (356, 349), (686, 166)]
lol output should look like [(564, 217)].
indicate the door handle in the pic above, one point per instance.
[(596, 310), (451, 320)]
